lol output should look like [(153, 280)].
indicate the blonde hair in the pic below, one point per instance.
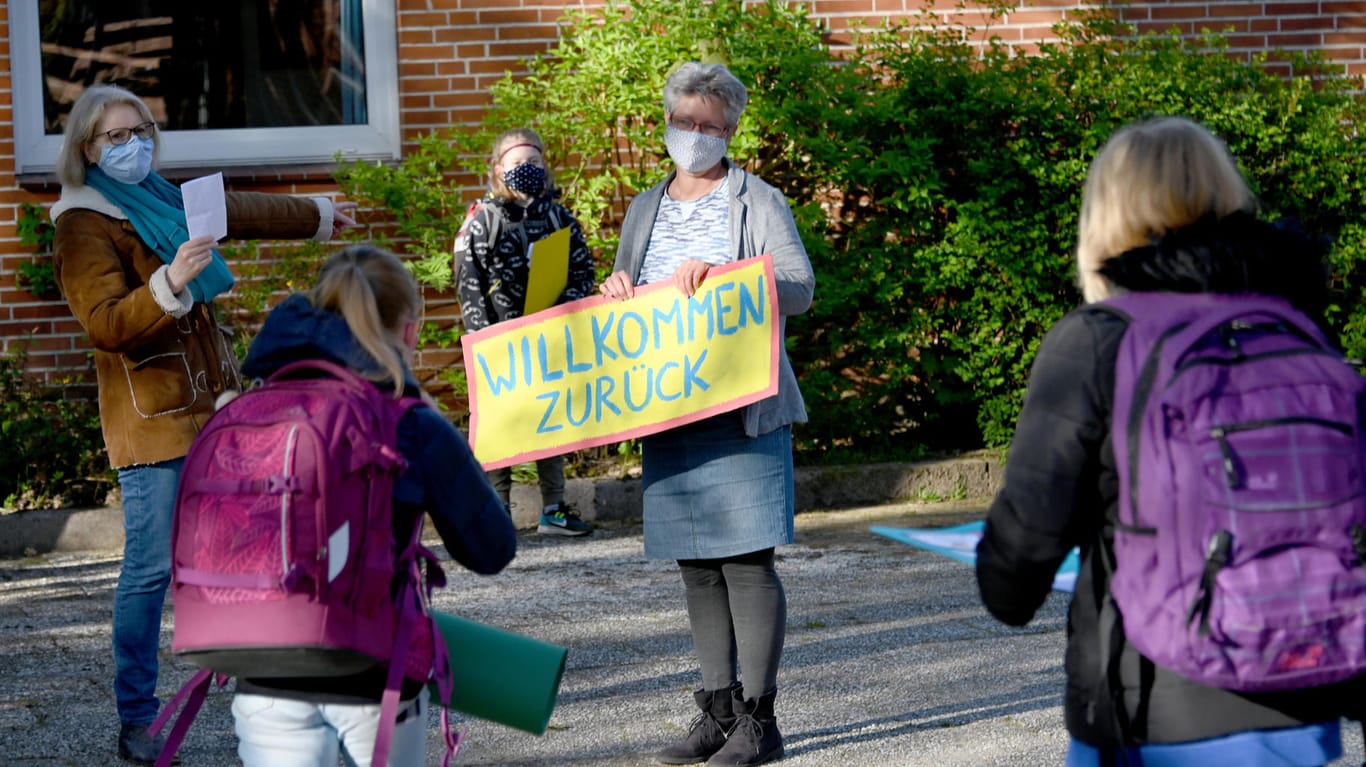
[(377, 296), (507, 140), (82, 122), (1152, 177)]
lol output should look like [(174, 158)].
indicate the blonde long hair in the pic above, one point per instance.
[(1152, 177), (377, 296)]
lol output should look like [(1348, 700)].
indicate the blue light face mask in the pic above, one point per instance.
[(129, 162)]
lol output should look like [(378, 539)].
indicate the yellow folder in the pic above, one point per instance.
[(549, 271)]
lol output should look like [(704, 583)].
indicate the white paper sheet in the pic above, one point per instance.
[(338, 550), (206, 208)]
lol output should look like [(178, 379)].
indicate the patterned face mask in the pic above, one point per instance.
[(694, 151), (526, 178)]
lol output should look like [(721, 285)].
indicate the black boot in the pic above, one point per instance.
[(755, 738), (708, 730), (139, 746)]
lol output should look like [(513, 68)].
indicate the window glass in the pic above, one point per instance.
[(251, 82)]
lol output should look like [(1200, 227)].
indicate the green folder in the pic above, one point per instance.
[(500, 676)]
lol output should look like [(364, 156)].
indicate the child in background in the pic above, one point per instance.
[(492, 264), (364, 313)]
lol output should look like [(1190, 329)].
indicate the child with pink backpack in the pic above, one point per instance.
[(364, 314)]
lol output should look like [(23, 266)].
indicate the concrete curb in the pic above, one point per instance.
[(975, 475)]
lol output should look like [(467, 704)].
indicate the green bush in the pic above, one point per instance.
[(936, 183), (265, 276), (38, 276), (54, 451)]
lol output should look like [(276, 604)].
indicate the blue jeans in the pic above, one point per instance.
[(1309, 745), (148, 501)]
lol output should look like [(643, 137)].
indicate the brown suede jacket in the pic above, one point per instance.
[(160, 358)]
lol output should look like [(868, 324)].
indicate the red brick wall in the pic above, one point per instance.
[(451, 51)]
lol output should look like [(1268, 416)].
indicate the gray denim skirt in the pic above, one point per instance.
[(712, 492)]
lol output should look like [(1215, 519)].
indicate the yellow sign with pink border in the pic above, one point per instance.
[(598, 371)]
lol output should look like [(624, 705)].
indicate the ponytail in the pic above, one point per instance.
[(375, 293)]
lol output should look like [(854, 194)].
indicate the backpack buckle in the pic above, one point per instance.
[(280, 485)]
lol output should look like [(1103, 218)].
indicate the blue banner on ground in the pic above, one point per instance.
[(960, 543)]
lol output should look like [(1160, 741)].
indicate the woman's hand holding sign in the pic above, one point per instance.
[(687, 278), (689, 275), (618, 287)]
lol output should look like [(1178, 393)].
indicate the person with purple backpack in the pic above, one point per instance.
[(364, 313), (1164, 210)]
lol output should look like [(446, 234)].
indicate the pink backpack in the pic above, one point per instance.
[(283, 552)]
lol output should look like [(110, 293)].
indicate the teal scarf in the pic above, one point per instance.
[(156, 208)]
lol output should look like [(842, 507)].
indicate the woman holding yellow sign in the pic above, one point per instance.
[(718, 493), (493, 257)]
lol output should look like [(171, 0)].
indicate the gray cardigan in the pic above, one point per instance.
[(760, 222)]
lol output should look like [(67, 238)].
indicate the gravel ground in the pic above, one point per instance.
[(890, 659)]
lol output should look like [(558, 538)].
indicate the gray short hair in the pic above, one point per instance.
[(712, 82), (82, 122)]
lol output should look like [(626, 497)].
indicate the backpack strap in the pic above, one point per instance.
[(493, 219), (559, 216), (413, 608), (1110, 631), (393, 687), (191, 696), (442, 678)]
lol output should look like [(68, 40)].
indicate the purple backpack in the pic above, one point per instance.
[(284, 562), (1241, 536)]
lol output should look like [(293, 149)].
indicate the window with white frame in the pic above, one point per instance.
[(256, 82)]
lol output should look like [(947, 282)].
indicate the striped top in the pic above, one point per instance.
[(682, 230)]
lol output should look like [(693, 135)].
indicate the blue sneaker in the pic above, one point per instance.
[(561, 519)]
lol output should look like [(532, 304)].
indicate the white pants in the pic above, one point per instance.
[(278, 732)]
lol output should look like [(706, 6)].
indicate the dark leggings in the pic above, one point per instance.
[(736, 603)]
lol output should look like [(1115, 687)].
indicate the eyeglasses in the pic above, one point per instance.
[(683, 123), (119, 136)]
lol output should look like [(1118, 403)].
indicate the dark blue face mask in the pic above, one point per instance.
[(526, 179)]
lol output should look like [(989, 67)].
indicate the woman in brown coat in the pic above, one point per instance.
[(141, 288)]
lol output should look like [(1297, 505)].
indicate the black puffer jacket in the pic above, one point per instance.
[(1061, 486)]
